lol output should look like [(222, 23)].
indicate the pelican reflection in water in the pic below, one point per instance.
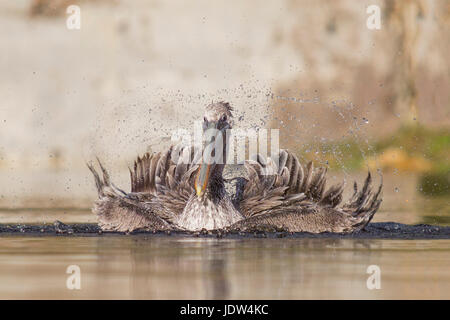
[(272, 195)]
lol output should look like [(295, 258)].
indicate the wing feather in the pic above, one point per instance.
[(285, 194), (160, 189)]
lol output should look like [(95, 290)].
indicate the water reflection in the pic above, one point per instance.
[(141, 267), (180, 268)]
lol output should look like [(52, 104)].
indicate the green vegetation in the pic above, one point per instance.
[(412, 149), (335, 155), (418, 141), (435, 184)]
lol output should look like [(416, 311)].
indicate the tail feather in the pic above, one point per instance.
[(106, 178), (98, 182), (363, 205)]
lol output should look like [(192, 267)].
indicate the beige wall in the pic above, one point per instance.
[(138, 69)]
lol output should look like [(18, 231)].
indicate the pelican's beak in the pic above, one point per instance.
[(208, 162), (201, 181)]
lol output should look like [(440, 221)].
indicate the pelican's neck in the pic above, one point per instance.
[(213, 210), (215, 191)]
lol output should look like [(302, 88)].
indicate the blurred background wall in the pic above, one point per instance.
[(135, 70)]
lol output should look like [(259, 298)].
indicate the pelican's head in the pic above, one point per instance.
[(218, 113), (216, 121)]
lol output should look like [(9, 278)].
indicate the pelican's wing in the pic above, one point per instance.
[(167, 176), (120, 211), (159, 191), (292, 197)]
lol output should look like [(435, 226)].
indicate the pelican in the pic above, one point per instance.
[(282, 195)]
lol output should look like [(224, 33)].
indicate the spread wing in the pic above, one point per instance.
[(159, 176), (160, 189), (293, 197)]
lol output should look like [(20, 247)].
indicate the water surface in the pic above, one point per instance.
[(139, 267)]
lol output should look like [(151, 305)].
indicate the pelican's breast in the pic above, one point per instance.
[(206, 214)]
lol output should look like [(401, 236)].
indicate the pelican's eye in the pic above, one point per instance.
[(224, 118), (205, 120)]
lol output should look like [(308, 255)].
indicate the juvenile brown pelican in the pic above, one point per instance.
[(186, 196)]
